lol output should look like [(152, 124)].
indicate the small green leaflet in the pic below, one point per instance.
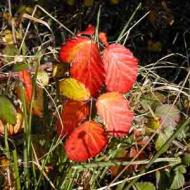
[(162, 138), (7, 111), (144, 186)]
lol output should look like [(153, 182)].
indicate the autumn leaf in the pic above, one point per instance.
[(169, 115), (38, 103), (71, 48), (86, 62), (73, 114), (120, 68), (114, 110), (103, 38), (25, 77), (90, 30), (86, 141), (74, 89), (12, 129)]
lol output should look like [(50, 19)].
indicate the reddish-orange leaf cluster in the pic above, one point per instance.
[(117, 70)]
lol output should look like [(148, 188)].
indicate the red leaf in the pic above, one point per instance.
[(120, 68), (90, 30), (113, 108), (87, 67), (86, 62), (103, 38), (70, 49), (86, 141), (73, 114), (25, 77)]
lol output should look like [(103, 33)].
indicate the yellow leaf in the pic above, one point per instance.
[(7, 36), (43, 78), (88, 3), (115, 1), (73, 89)]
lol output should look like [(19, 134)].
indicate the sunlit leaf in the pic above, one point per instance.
[(178, 181), (114, 110), (73, 114), (144, 186), (12, 129), (4, 162), (43, 78), (120, 68), (71, 48), (169, 115), (7, 111), (74, 89), (86, 141), (25, 77), (7, 36), (86, 62)]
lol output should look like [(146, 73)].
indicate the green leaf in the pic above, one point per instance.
[(144, 186), (151, 100), (178, 181), (180, 169), (10, 51), (7, 111), (20, 66), (162, 180), (162, 138), (186, 159)]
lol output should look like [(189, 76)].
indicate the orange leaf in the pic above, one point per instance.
[(73, 114), (103, 38), (25, 77), (120, 68), (86, 141), (70, 49), (113, 108)]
